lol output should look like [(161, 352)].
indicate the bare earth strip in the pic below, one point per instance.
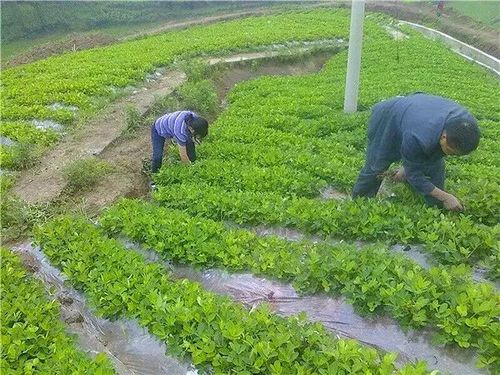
[(45, 182)]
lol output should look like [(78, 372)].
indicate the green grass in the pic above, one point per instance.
[(83, 174), (487, 12), (12, 49)]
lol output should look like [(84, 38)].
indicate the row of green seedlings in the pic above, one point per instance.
[(296, 166), (311, 106), (373, 279), (236, 161), (218, 335), (276, 110), (34, 340), (451, 239)]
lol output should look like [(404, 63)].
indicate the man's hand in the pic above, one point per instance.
[(452, 203), (397, 175)]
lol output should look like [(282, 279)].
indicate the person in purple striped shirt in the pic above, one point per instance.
[(185, 128)]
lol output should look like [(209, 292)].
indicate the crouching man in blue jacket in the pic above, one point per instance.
[(419, 130)]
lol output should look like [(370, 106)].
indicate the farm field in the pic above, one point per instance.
[(46, 28), (488, 12), (274, 151)]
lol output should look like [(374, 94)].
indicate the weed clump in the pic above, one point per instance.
[(84, 173)]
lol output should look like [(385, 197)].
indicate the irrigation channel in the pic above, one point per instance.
[(134, 351)]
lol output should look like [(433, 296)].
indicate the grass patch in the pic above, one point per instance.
[(85, 173), (18, 218), (134, 121), (20, 156), (486, 12), (199, 96)]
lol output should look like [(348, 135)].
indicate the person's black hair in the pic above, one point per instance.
[(199, 125), (462, 135)]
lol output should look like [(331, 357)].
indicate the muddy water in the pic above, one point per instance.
[(335, 314), (130, 347)]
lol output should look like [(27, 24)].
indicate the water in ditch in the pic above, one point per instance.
[(129, 346)]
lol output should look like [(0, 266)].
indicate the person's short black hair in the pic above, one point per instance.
[(462, 135), (199, 125)]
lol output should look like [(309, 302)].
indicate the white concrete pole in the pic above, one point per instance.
[(354, 57)]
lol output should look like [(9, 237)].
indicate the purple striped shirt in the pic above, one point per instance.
[(172, 125)]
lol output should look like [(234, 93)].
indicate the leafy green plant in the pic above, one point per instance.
[(199, 96), (34, 340), (20, 156), (27, 133), (134, 120), (196, 70), (452, 239)]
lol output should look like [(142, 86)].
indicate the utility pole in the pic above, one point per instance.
[(354, 56)]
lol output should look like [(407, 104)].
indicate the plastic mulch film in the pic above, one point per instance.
[(336, 315), (130, 347)]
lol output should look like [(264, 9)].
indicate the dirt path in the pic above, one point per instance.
[(45, 182)]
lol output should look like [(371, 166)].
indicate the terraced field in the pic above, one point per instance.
[(270, 156)]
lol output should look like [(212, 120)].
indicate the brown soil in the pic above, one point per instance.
[(74, 42)]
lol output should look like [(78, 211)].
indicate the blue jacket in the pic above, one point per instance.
[(409, 128)]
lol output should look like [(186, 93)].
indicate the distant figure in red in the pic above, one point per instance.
[(440, 7)]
